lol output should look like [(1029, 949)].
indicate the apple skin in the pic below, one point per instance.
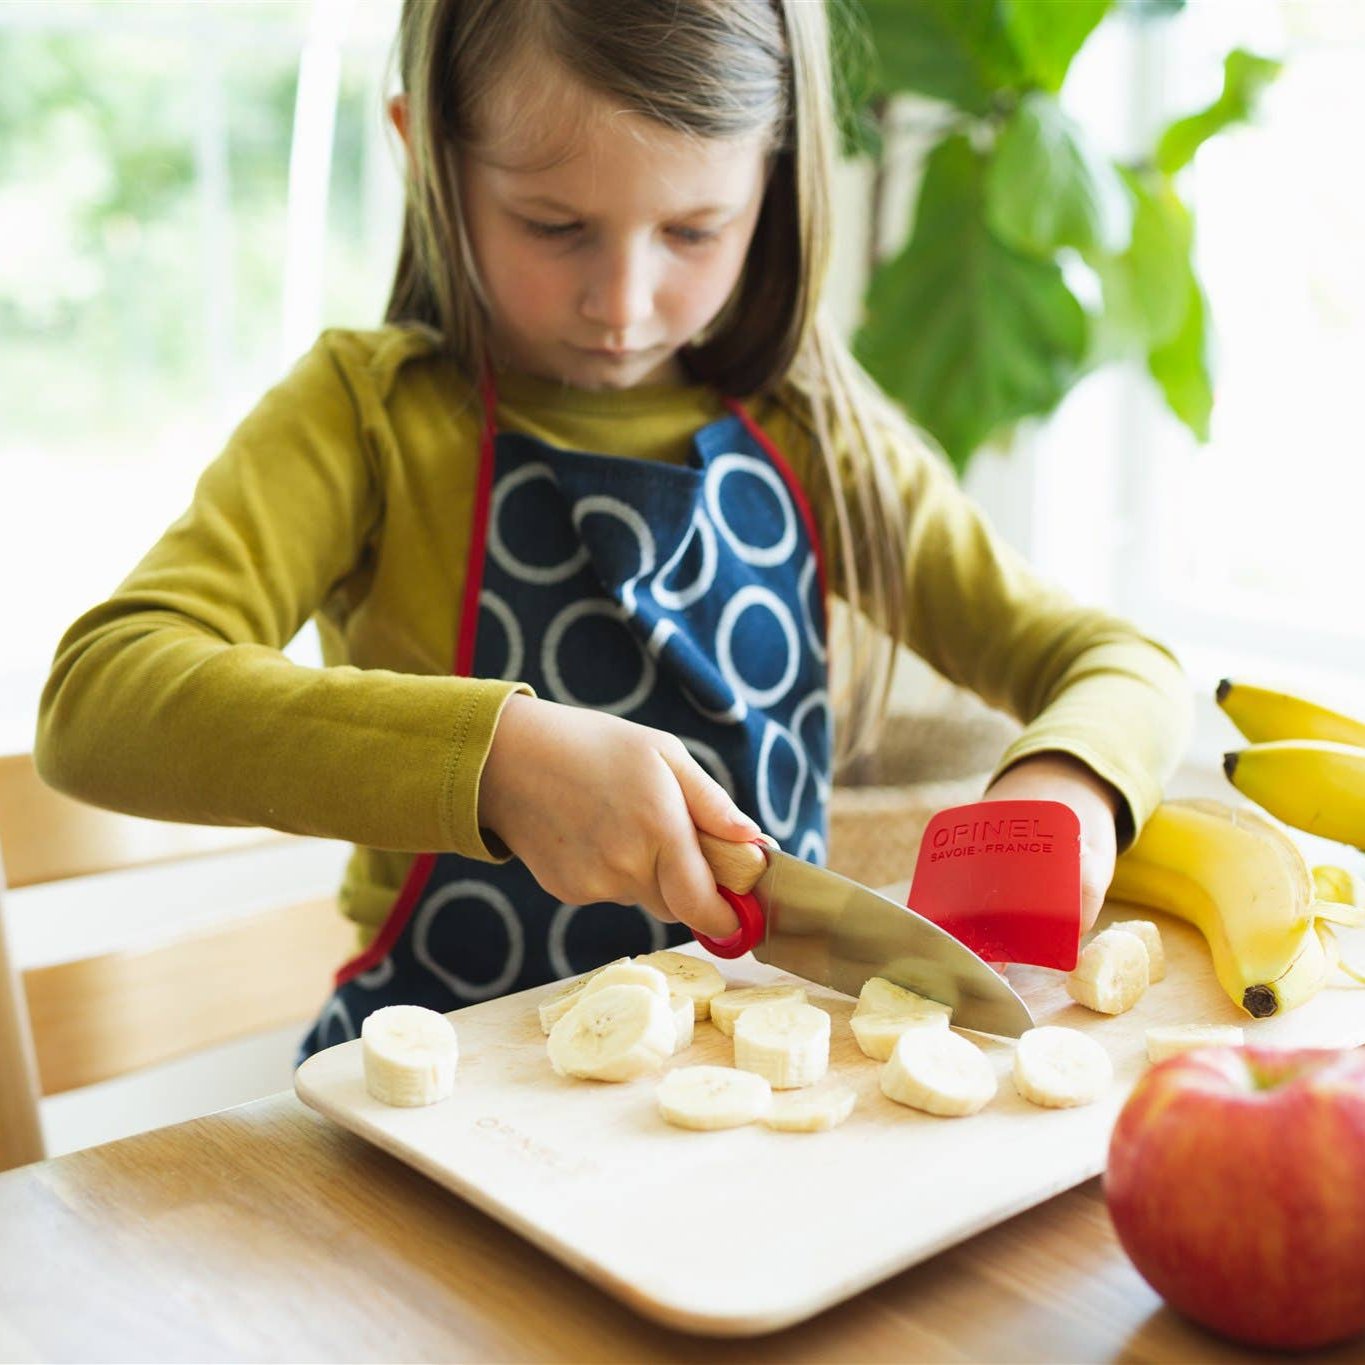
[(1236, 1184)]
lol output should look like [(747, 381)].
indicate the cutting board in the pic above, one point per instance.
[(748, 1230)]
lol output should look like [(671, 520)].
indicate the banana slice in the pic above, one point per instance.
[(684, 1021), (699, 980), (784, 1041), (613, 1034), (886, 1010), (1166, 1040), (628, 973), (1111, 975), (563, 1000), (729, 1005), (938, 1071), (711, 1097), (811, 1111), (1060, 1068), (410, 1054), (1151, 940)]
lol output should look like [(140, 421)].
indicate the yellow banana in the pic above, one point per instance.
[(1316, 785), (1262, 714), (1245, 885), (1339, 885)]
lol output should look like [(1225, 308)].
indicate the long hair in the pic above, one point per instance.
[(715, 69)]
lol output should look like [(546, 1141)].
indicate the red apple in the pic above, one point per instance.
[(1236, 1183)]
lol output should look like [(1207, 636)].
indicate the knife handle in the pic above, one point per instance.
[(736, 868)]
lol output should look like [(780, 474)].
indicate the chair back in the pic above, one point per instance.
[(70, 1024)]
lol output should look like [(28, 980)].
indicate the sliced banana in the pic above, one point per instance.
[(886, 1010), (811, 1111), (559, 1004), (1151, 940), (684, 1021), (410, 1054), (1168, 1039), (710, 1097), (613, 1034), (938, 1071), (729, 1005), (693, 977), (628, 973), (1112, 972), (553, 1009), (878, 1034), (1061, 1068), (784, 1041)]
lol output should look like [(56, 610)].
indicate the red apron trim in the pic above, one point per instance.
[(394, 922)]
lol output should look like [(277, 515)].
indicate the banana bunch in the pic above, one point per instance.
[(1305, 763), (1247, 887)]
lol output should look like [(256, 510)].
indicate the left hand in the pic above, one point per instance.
[(1059, 777)]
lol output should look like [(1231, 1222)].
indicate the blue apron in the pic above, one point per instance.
[(689, 598)]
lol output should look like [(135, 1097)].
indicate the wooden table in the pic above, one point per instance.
[(267, 1233)]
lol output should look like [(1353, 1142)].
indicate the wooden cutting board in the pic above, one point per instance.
[(749, 1230)]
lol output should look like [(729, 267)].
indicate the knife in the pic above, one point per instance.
[(827, 929)]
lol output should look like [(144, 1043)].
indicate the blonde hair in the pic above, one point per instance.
[(716, 69)]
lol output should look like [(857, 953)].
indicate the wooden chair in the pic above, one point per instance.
[(71, 1024)]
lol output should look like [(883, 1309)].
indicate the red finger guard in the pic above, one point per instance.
[(1004, 877), (750, 931)]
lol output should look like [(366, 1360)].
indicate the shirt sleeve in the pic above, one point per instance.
[(1083, 681), (173, 699)]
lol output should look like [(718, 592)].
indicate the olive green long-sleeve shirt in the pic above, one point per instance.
[(347, 495)]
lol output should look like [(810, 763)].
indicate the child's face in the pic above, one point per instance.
[(605, 241)]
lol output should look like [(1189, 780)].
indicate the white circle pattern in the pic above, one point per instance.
[(779, 826), (759, 555), (549, 658), (497, 547), (675, 599), (753, 595), (502, 906), (559, 932), (516, 643)]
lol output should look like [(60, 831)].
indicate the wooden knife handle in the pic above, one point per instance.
[(737, 867)]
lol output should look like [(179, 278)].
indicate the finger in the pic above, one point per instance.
[(709, 804), (1093, 890), (688, 888)]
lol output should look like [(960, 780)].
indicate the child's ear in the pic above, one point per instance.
[(398, 116)]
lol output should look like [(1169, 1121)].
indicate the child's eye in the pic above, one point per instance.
[(692, 236), (550, 229)]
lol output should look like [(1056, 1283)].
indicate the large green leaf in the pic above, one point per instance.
[(1047, 189), (969, 335), (954, 50), (1181, 366), (1047, 34), (1245, 78), (1146, 288)]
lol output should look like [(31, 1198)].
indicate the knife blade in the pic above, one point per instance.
[(824, 928)]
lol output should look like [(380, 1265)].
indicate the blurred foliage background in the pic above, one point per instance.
[(143, 191), (977, 320)]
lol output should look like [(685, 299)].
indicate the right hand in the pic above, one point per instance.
[(603, 809)]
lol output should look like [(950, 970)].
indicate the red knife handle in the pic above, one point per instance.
[(736, 867)]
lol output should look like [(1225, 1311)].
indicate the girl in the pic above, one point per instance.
[(567, 523)]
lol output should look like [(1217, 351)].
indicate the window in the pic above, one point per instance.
[(1241, 553), (188, 193)]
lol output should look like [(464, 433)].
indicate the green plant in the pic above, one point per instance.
[(973, 324)]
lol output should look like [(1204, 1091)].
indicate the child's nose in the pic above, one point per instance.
[(620, 291)]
